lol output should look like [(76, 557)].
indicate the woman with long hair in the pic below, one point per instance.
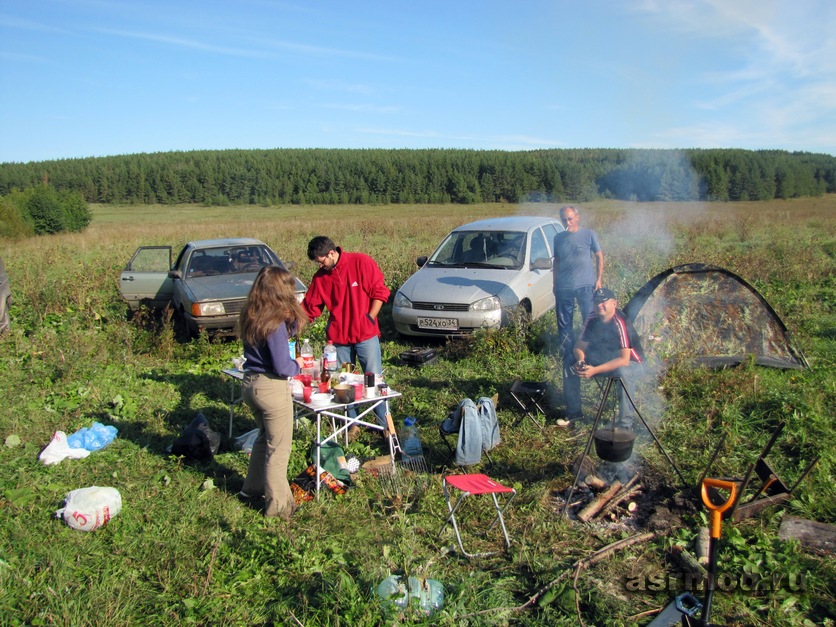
[(270, 317)]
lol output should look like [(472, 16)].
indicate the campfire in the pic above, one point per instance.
[(605, 491)]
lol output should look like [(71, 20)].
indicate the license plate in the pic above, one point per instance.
[(446, 324)]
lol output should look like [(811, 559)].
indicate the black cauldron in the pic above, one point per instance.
[(614, 445)]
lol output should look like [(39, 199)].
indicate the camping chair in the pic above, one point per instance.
[(529, 395), (450, 434), (476, 485), (450, 439)]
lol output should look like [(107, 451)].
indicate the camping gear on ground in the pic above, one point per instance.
[(477, 428), (774, 490), (245, 441), (529, 395), (476, 485), (418, 356), (716, 521), (678, 612), (712, 317), (197, 441), (87, 509), (613, 449), (334, 473)]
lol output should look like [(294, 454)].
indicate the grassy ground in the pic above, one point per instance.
[(184, 550)]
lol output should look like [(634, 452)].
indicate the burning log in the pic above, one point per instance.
[(595, 506), (596, 483), (623, 495)]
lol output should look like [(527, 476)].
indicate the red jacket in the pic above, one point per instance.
[(347, 292)]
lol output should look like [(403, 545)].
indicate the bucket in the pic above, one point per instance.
[(614, 445)]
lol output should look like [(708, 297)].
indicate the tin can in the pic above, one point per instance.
[(369, 379)]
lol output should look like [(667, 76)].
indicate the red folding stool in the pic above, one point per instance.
[(476, 485)]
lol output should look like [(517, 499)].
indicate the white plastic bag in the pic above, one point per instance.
[(87, 509), (59, 449), (245, 442)]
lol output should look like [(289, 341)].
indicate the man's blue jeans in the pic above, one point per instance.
[(368, 354), (565, 309), (629, 375)]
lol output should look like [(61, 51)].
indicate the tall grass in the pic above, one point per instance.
[(184, 550)]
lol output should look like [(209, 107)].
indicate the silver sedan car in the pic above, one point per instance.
[(484, 274)]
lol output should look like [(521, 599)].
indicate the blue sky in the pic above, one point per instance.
[(83, 78)]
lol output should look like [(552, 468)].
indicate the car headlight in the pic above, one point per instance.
[(486, 304), (208, 309), (402, 301)]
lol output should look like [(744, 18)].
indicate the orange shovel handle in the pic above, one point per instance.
[(717, 510)]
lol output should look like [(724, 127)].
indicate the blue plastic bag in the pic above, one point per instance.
[(92, 439)]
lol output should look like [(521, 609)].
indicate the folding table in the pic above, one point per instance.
[(337, 413)]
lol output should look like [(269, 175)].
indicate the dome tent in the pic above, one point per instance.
[(711, 316)]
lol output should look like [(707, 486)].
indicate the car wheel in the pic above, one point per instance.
[(181, 327), (521, 316)]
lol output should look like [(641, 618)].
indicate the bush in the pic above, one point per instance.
[(42, 210), (12, 223)]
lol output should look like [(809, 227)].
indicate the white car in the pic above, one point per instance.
[(485, 274)]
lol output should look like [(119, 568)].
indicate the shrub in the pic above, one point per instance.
[(43, 210)]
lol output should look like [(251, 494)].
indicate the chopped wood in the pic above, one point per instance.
[(688, 562), (811, 534), (702, 546), (632, 507), (595, 506), (596, 483), (622, 496), (757, 506)]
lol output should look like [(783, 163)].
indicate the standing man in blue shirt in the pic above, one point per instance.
[(578, 270)]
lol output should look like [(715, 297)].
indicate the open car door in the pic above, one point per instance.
[(145, 280)]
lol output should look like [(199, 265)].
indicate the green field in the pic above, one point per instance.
[(185, 551)]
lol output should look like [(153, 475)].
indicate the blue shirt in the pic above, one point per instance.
[(573, 258), (272, 357)]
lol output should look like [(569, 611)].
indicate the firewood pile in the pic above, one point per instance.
[(604, 493)]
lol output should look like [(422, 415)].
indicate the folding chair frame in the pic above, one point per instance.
[(475, 485), (529, 395)]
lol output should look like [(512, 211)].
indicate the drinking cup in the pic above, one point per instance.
[(307, 391), (324, 387)]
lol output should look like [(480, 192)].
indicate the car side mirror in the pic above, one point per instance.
[(541, 264), (175, 274), (421, 261)]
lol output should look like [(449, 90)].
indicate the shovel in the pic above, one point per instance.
[(716, 513)]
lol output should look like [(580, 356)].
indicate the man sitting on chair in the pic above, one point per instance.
[(609, 347)]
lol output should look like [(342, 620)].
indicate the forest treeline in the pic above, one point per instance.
[(377, 176)]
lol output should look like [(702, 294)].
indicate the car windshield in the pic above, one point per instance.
[(481, 249), (236, 260)]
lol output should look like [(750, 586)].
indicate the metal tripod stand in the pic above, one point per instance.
[(604, 396)]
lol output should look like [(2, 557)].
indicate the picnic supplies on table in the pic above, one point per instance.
[(477, 427), (87, 509), (58, 449)]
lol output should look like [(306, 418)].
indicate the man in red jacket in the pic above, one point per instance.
[(351, 287)]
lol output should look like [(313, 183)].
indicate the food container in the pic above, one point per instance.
[(319, 399), (614, 445), (344, 393)]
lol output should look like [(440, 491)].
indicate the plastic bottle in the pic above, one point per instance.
[(329, 358), (393, 592), (409, 439), (428, 594), (306, 353)]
